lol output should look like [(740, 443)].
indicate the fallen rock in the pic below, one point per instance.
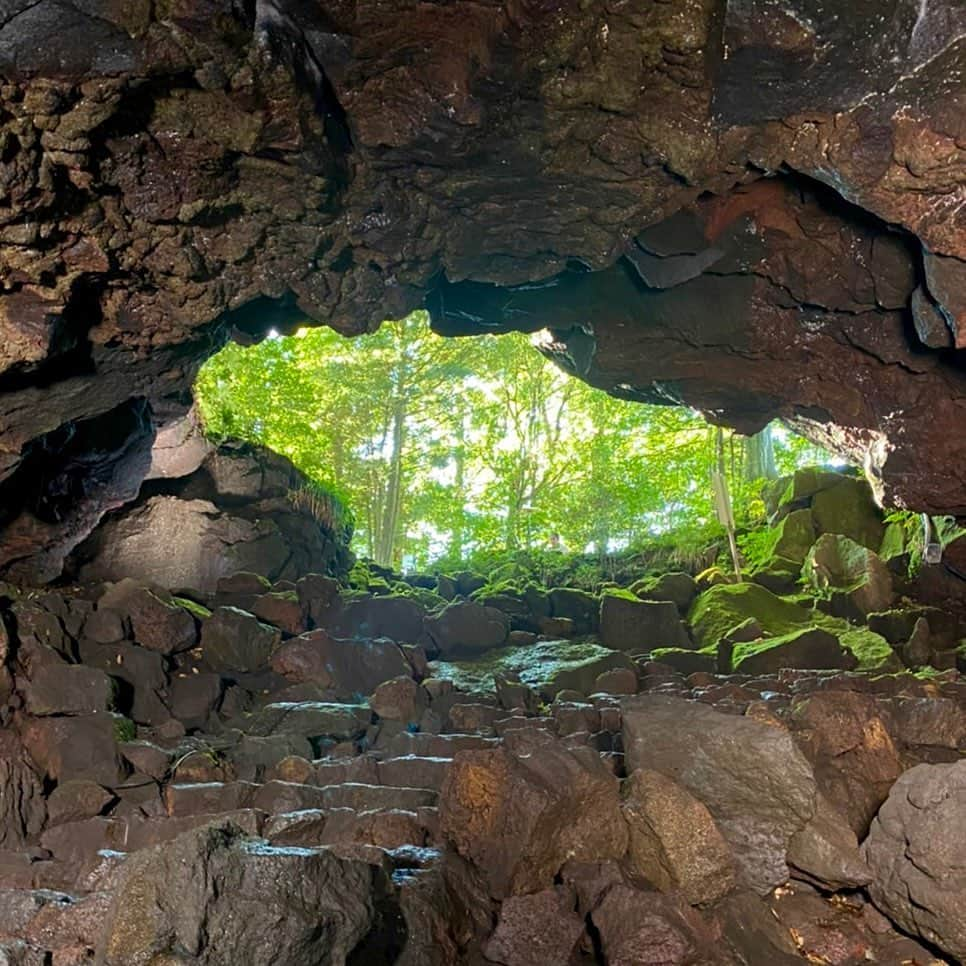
[(854, 577), (467, 627), (81, 747), (349, 667), (400, 699), (157, 622), (679, 588), (68, 689), (233, 640), (751, 777), (538, 928), (674, 842), (519, 813), (826, 851), (917, 853), (398, 618), (805, 649), (637, 927), (628, 624), (22, 807), (76, 800), (223, 899), (847, 738)]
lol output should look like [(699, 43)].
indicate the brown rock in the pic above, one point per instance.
[(638, 928), (77, 800), (628, 624), (22, 808), (82, 747), (69, 689), (156, 621), (753, 780), (400, 699), (539, 928), (674, 842), (520, 815)]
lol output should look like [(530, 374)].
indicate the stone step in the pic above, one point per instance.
[(370, 797), (385, 828), (413, 771), (438, 746)]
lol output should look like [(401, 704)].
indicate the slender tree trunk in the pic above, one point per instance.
[(458, 534), (389, 528), (760, 456)]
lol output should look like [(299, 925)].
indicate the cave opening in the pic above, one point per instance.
[(226, 736)]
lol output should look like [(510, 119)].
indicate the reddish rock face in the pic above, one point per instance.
[(720, 203)]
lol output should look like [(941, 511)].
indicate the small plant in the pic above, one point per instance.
[(326, 507)]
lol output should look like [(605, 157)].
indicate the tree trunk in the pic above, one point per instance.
[(389, 527), (457, 539), (760, 456)]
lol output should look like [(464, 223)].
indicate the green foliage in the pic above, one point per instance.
[(450, 450)]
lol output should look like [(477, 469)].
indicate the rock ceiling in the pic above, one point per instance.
[(755, 208)]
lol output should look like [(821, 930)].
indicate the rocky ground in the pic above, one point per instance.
[(680, 771)]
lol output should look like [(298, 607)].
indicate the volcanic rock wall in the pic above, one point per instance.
[(754, 210)]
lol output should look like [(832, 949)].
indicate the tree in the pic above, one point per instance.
[(452, 446)]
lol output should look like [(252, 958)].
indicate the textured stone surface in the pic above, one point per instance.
[(917, 854), (753, 780), (674, 842), (173, 180), (519, 815), (224, 899)]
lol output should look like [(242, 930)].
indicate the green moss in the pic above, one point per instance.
[(849, 509), (806, 482), (124, 729), (548, 666), (724, 606), (622, 593), (195, 609)]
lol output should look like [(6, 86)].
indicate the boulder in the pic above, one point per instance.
[(77, 800), (849, 509), (754, 781), (233, 640), (138, 676), (637, 927), (400, 699), (684, 660), (192, 698), (844, 570), (467, 627), (395, 617), (674, 841), (156, 621), (808, 648), (283, 610), (68, 689), (847, 737), (539, 928), (22, 807), (348, 667), (223, 899), (826, 851), (628, 624), (519, 812), (677, 587), (917, 853), (81, 747), (577, 605), (793, 536)]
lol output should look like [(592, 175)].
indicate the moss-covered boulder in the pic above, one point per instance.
[(848, 508), (797, 490), (719, 612), (722, 608), (630, 624), (849, 574), (811, 647), (679, 588), (778, 574), (794, 535), (547, 666)]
